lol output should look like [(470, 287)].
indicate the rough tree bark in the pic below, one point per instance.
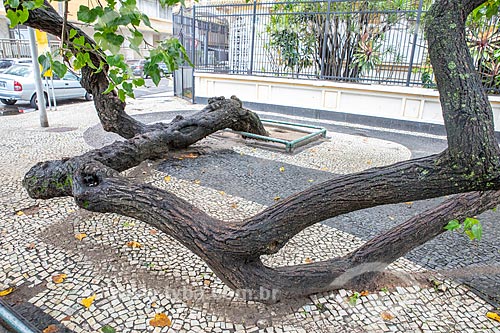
[(233, 250)]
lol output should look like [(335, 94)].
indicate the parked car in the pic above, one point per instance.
[(137, 67), (5, 63), (18, 83), (164, 69)]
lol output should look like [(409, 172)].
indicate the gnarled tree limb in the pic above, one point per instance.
[(233, 249)]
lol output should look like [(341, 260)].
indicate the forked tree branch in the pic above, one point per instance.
[(233, 249)]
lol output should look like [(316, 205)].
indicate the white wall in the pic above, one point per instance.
[(403, 103)]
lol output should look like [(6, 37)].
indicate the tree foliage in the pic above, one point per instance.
[(347, 36)]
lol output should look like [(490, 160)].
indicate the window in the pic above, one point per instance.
[(149, 7), (23, 71), (70, 77)]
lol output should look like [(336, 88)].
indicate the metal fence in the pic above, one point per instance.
[(375, 41), (19, 48)]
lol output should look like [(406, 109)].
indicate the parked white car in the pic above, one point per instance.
[(18, 83), (6, 63)]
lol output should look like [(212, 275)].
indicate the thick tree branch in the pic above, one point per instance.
[(417, 179), (422, 228), (467, 112), (54, 178), (101, 189)]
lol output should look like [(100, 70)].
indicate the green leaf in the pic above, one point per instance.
[(23, 15), (108, 329), (59, 68), (114, 60), (127, 86), (139, 82), (13, 18), (110, 88), (72, 33), (452, 225), (44, 60), (13, 3), (110, 41), (470, 234), (87, 15), (136, 40), (477, 231), (146, 21), (121, 95), (29, 5), (469, 222), (80, 40)]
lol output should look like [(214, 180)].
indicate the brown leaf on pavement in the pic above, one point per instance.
[(51, 329), (386, 315), (160, 320), (59, 278)]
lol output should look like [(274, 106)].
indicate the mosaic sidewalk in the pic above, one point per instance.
[(131, 285)]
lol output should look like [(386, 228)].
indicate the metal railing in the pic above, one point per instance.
[(19, 48), (369, 42)]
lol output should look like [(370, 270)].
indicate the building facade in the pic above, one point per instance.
[(13, 42)]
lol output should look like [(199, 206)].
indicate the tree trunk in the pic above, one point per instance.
[(233, 249)]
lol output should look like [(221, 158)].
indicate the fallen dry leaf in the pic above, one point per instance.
[(59, 278), (207, 282), (364, 293), (51, 329), (20, 213), (30, 246), (160, 320), (190, 155), (409, 203), (7, 291), (87, 302), (197, 181), (134, 244), (308, 260), (369, 162), (493, 315), (310, 180), (282, 169), (154, 305), (386, 315), (167, 178), (234, 205), (67, 318), (80, 236), (222, 193), (277, 198), (153, 232), (324, 169)]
